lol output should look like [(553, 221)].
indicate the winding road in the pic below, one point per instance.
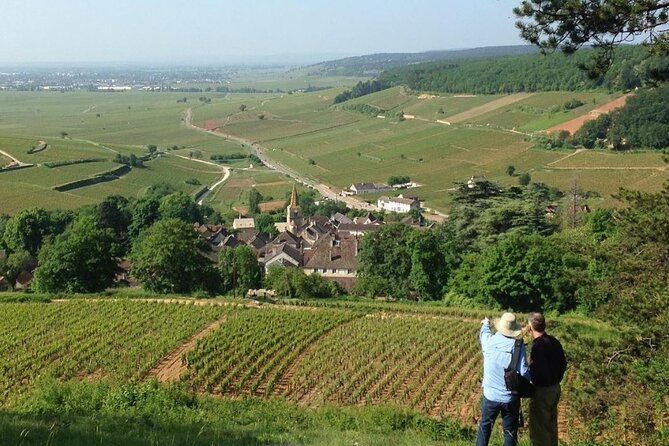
[(325, 190), (226, 174)]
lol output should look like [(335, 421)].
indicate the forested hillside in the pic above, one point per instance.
[(642, 123), (532, 72), (374, 64)]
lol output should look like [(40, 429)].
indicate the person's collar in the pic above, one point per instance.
[(536, 335)]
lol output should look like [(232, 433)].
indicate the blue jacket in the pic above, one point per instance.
[(497, 351)]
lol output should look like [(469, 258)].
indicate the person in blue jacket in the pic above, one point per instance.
[(497, 350)]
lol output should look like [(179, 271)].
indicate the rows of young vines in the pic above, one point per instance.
[(312, 355), (253, 349), (429, 364), (114, 339)]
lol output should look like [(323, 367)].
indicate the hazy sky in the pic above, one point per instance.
[(209, 31)]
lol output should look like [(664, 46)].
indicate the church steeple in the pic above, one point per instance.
[(293, 198), (294, 213)]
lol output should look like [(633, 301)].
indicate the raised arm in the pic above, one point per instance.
[(485, 333)]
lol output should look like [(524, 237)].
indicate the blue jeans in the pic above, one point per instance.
[(489, 412)]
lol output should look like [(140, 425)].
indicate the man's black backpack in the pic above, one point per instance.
[(514, 380)]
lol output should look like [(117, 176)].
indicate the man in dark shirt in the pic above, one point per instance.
[(547, 367)]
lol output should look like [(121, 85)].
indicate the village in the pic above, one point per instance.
[(327, 246)]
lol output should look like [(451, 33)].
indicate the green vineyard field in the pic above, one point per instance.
[(419, 358), (88, 339)]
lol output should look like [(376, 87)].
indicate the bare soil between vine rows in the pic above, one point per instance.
[(170, 368)]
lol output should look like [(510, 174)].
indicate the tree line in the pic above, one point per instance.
[(361, 89), (80, 251)]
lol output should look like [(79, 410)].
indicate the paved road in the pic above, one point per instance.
[(260, 151)]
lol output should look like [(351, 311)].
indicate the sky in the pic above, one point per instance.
[(233, 31)]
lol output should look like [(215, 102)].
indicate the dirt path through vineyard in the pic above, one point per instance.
[(170, 368), (487, 107), (573, 125)]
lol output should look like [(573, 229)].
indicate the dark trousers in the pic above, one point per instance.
[(489, 412), (544, 416)]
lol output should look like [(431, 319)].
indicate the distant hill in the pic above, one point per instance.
[(374, 64)]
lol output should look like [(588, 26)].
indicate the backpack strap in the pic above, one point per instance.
[(516, 354)]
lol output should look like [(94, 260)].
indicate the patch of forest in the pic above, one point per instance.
[(643, 123), (374, 64), (631, 68)]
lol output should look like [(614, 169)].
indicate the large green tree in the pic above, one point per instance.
[(239, 269), (78, 261), (145, 212), (400, 261), (114, 213), (520, 272), (604, 24), (255, 198), (181, 206), (26, 230), (265, 224), (294, 283), (14, 264), (167, 259), (4, 218)]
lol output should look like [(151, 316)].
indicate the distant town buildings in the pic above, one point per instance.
[(328, 246), (367, 188)]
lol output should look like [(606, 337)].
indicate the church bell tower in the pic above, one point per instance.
[(294, 213)]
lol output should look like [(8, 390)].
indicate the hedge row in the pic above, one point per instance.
[(38, 148), (109, 175), (70, 162), (9, 169)]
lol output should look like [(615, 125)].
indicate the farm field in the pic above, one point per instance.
[(336, 146), (273, 186), (306, 133), (288, 79), (115, 340), (418, 358), (126, 124)]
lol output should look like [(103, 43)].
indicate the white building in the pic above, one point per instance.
[(243, 223), (398, 204)]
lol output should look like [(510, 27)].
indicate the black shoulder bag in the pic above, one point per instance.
[(515, 381)]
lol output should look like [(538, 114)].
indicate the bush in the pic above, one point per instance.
[(572, 104), (365, 109), (398, 179)]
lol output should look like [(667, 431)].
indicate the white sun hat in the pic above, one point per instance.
[(508, 325)]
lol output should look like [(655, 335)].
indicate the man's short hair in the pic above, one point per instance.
[(537, 321)]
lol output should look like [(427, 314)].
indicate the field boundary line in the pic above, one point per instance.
[(574, 124), (657, 168), (223, 169), (170, 367), (575, 152), (308, 132)]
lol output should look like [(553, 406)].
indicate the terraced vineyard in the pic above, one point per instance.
[(88, 339)]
